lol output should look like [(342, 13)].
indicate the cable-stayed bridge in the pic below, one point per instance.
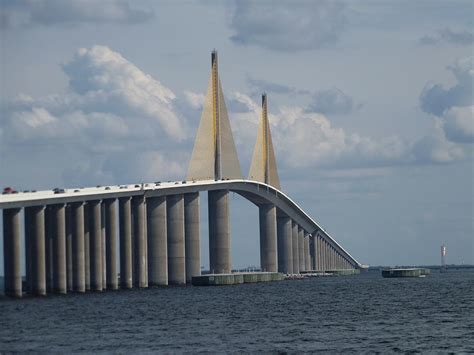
[(77, 240)]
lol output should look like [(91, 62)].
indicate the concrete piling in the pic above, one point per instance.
[(95, 235), (111, 244), (48, 240), (87, 254), (176, 248), (35, 236), (78, 256), (191, 236), (139, 241), (301, 249), (58, 212), (296, 254), (157, 241), (11, 252), (307, 256), (285, 252), (125, 230), (69, 249), (219, 232), (268, 238)]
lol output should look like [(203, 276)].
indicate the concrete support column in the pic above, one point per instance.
[(324, 255), (285, 251), (139, 242), (78, 256), (28, 251), (125, 230), (87, 254), (268, 238), (59, 248), (102, 240), (48, 241), (35, 237), (157, 241), (191, 236), (301, 252), (315, 252), (95, 235), (219, 232), (176, 248), (111, 243), (11, 252), (69, 249), (295, 247), (307, 256)]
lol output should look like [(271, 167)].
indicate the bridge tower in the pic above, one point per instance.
[(263, 167), (215, 157)]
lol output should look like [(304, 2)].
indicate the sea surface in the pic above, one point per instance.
[(364, 313)]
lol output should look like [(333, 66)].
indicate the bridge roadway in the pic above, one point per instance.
[(325, 252)]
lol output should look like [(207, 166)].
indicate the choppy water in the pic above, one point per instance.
[(363, 313)]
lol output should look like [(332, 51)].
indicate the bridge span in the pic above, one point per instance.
[(71, 237)]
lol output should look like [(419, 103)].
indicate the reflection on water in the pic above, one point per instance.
[(355, 313)]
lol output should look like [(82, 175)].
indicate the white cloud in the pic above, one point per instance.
[(459, 124), (331, 101), (113, 116), (453, 106), (435, 99), (16, 13), (304, 25)]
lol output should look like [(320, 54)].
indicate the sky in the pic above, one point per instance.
[(370, 105)]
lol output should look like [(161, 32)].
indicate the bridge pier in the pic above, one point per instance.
[(87, 253), (268, 238), (219, 232), (58, 212), (314, 250), (11, 252), (295, 246), (28, 254), (35, 236), (125, 235), (157, 241), (307, 256), (95, 244), (285, 251), (48, 231), (78, 257), (139, 247), (111, 244), (69, 248), (192, 236), (176, 249), (301, 253)]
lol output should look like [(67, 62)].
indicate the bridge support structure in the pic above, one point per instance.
[(176, 249), (192, 236), (219, 232), (285, 251), (268, 238), (157, 241)]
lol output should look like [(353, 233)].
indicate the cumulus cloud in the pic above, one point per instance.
[(261, 85), (454, 105), (449, 36), (305, 139), (72, 12), (331, 101), (111, 109), (459, 124), (303, 25)]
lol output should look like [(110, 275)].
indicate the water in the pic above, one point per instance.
[(363, 313)]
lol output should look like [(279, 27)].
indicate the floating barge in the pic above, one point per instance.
[(236, 278), (412, 272)]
